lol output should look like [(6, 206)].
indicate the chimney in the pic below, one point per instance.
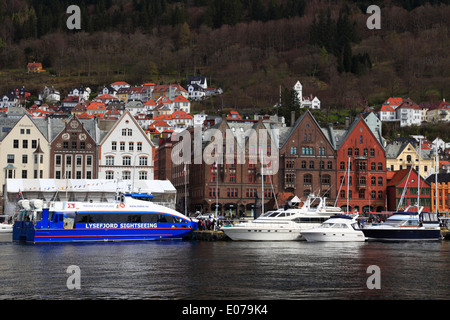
[(347, 122), (292, 118)]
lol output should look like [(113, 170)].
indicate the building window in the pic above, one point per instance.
[(89, 160), (330, 165), (342, 165), (114, 146), (326, 179), (57, 174), (78, 174), (34, 144), (122, 146), (82, 145), (25, 144), (109, 160), (356, 152), (68, 160), (74, 144), (65, 145), (88, 174), (143, 175), (58, 160), (232, 177), (130, 146), (143, 161), (124, 132), (126, 175), (24, 158), (303, 164), (350, 152), (78, 161), (16, 144), (126, 161), (372, 152), (311, 164), (24, 174), (342, 194), (10, 158), (307, 179), (139, 146), (373, 181), (362, 194), (109, 175), (380, 194), (380, 181)]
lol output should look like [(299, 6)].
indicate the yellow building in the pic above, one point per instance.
[(443, 191), (403, 153), (440, 113)]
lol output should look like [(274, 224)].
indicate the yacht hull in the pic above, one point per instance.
[(333, 236), (402, 234)]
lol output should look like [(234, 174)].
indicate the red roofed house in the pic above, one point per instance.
[(35, 67), (440, 113), (183, 104), (387, 113), (409, 179), (409, 113)]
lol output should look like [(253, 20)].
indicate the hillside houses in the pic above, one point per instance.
[(407, 112)]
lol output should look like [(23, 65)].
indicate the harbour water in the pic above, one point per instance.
[(198, 270)]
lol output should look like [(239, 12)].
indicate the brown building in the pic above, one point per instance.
[(233, 185), (308, 160), (74, 152)]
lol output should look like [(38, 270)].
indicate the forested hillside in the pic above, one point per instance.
[(249, 48)]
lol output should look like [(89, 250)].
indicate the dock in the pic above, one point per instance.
[(210, 235)]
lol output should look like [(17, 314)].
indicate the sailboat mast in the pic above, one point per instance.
[(348, 180), (418, 180), (436, 179)]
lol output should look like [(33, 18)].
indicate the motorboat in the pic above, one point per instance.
[(283, 224), (4, 226), (129, 217), (406, 225), (339, 228)]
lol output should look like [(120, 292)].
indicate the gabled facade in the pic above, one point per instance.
[(126, 152), (25, 150), (405, 182), (308, 160), (367, 178), (403, 153), (74, 153)]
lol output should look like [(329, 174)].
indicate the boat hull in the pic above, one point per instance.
[(245, 234), (402, 234), (25, 231), (258, 233), (333, 236)]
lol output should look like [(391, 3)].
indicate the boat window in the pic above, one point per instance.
[(356, 226), (282, 214), (125, 217), (340, 225), (268, 213), (412, 223), (274, 214), (327, 225)]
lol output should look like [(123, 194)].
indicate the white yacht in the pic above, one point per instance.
[(339, 228), (283, 225)]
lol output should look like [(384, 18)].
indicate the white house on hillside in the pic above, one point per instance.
[(306, 101)]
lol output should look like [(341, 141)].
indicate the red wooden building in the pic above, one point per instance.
[(408, 179), (367, 184)]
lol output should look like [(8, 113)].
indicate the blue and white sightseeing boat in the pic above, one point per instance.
[(128, 217)]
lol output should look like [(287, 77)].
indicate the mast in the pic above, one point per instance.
[(262, 182), (418, 179), (436, 179), (348, 180)]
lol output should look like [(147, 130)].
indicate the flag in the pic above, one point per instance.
[(214, 166)]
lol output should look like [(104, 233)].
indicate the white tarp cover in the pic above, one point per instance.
[(93, 185)]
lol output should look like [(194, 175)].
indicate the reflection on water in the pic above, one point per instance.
[(224, 270)]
